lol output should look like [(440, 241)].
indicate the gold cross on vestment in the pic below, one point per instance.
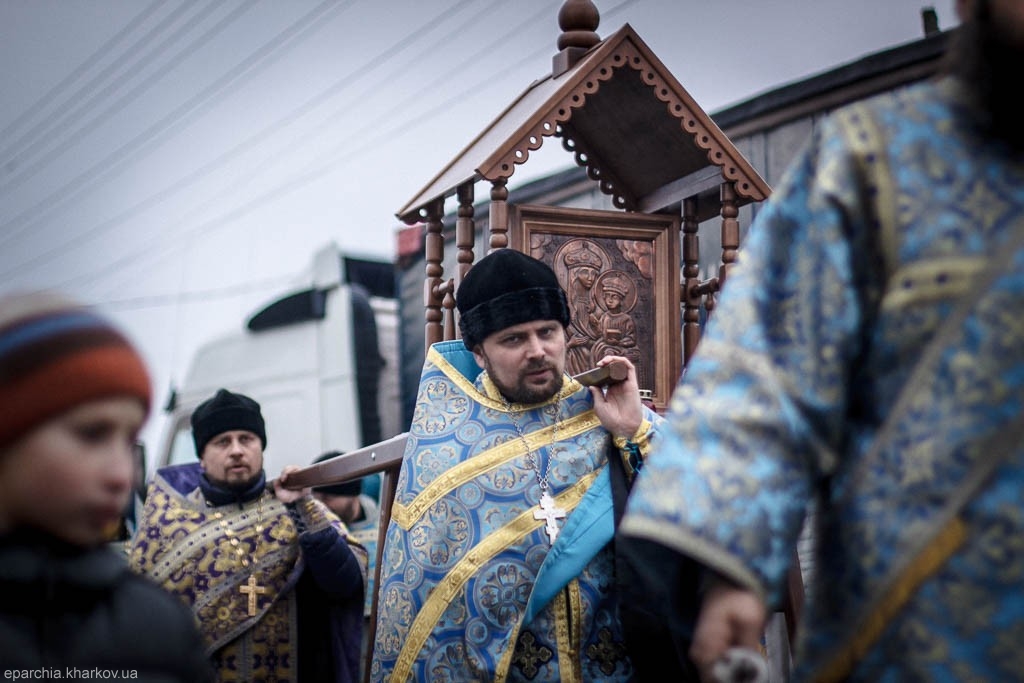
[(251, 589), (549, 513)]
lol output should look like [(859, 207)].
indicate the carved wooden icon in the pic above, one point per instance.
[(620, 273)]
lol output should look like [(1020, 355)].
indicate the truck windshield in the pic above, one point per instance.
[(183, 450)]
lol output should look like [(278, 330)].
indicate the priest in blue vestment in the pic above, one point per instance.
[(497, 564)]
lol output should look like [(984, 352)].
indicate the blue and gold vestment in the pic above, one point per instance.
[(470, 589), (877, 229)]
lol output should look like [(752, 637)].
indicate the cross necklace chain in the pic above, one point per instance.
[(547, 510), (250, 588)]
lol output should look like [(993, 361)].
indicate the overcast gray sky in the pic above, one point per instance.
[(177, 162)]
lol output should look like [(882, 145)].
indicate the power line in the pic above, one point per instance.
[(327, 164), (43, 132), (300, 180), (163, 128), (322, 167), (206, 295), (79, 134), (399, 46), (77, 73)]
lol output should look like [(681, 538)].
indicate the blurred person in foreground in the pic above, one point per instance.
[(866, 361), (498, 563), (273, 577), (74, 394)]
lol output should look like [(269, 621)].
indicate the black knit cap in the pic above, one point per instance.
[(223, 413), (507, 288), (345, 488)]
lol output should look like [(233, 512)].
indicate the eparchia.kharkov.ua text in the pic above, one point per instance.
[(71, 673)]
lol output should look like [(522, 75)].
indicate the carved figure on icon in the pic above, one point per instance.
[(582, 262), (616, 329)]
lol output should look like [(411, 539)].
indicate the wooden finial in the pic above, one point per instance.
[(578, 20)]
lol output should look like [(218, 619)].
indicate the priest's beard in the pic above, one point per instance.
[(243, 486), (520, 391), (988, 58)]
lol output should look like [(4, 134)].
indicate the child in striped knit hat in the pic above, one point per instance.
[(74, 394)]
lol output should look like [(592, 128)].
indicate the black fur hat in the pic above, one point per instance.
[(507, 288), (223, 413)]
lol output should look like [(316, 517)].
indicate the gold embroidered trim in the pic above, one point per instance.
[(569, 386), (641, 438), (924, 565), (699, 548), (200, 532), (928, 281), (865, 137), (407, 515), (505, 663), (446, 590), (570, 652)]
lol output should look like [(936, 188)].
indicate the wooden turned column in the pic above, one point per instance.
[(499, 214), (433, 243), (691, 298), (465, 240), (465, 230), (730, 232)]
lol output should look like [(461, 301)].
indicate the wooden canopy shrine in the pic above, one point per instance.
[(640, 136)]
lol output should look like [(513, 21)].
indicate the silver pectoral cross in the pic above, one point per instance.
[(549, 513)]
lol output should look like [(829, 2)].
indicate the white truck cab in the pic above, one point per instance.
[(322, 362)]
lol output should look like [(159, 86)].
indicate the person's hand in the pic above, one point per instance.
[(284, 494), (618, 405), (730, 616)]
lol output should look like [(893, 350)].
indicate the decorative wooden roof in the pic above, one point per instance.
[(625, 118)]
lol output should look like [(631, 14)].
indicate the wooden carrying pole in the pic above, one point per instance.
[(385, 456)]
